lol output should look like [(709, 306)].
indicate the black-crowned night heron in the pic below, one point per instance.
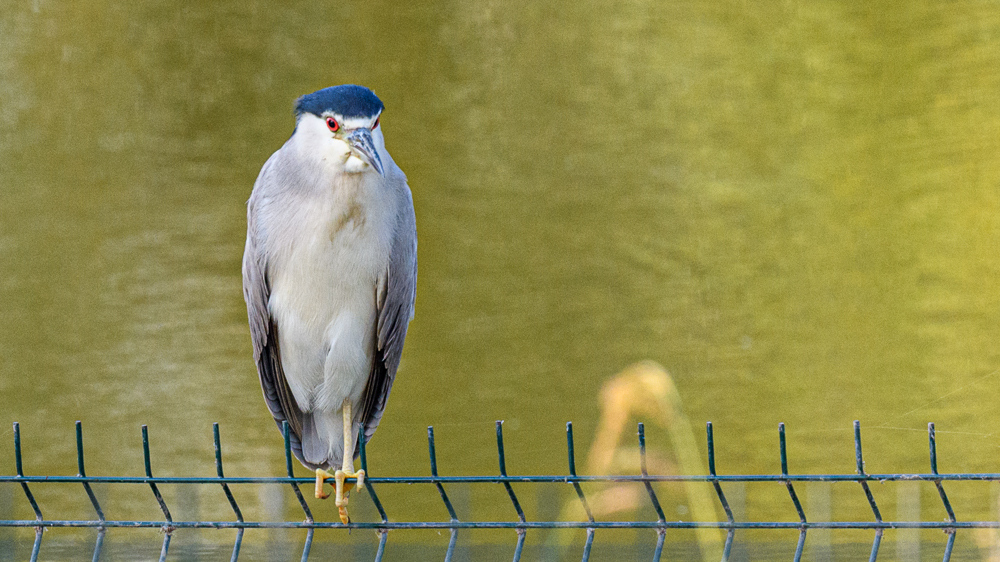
[(329, 277)]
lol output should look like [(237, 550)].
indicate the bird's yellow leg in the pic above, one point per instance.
[(347, 470)]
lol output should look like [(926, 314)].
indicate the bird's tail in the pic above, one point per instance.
[(323, 439), (316, 441)]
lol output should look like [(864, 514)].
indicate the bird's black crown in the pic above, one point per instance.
[(347, 100)]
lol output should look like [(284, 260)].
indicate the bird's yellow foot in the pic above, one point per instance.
[(344, 490), (321, 476)]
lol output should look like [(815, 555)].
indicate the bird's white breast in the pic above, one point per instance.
[(323, 296)]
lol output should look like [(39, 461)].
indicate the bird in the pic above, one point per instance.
[(329, 279)]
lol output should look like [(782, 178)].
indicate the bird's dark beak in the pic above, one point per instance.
[(361, 143)]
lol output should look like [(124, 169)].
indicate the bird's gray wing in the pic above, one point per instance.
[(395, 297), (263, 330)]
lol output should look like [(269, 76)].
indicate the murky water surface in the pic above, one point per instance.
[(792, 207)]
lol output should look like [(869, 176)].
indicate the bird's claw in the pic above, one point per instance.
[(321, 476), (343, 490)]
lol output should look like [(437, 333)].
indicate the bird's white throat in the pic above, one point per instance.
[(354, 165)]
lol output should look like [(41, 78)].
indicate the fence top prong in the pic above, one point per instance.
[(642, 448), (932, 439), (361, 449), (17, 449), (145, 451), (500, 451), (858, 458), (218, 449), (711, 448), (782, 449), (79, 448), (285, 433), (569, 448), (431, 451)]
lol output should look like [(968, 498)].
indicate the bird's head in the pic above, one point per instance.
[(342, 123)]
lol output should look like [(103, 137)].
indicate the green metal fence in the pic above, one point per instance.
[(518, 524)]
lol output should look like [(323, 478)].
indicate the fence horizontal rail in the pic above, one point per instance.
[(519, 523), (665, 525), (583, 479)]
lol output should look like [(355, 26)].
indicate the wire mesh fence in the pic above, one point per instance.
[(517, 523)]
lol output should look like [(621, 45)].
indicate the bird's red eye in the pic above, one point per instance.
[(332, 123), (375, 125)]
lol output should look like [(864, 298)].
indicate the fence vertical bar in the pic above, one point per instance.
[(383, 534), (932, 439), (37, 545), (167, 528), (949, 546), (731, 533), (571, 452), (90, 492), (501, 459), (661, 537), (229, 493), (863, 480), (783, 453), (645, 473), (444, 496), (286, 433), (661, 532)]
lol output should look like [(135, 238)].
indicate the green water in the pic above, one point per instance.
[(792, 206)]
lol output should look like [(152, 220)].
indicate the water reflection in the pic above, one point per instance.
[(793, 208), (645, 391)]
